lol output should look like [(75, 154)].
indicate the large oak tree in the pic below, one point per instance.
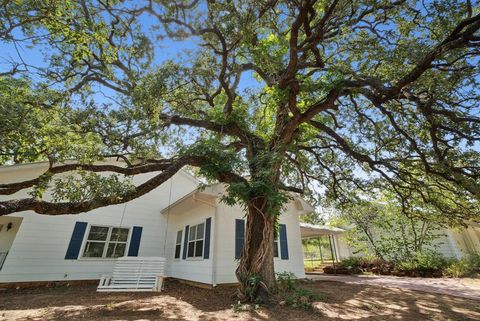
[(332, 97)]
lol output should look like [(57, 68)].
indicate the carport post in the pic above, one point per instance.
[(334, 247), (331, 250), (320, 248)]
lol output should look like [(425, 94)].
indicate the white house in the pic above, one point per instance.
[(200, 236)]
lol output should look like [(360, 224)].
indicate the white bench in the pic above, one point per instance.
[(134, 274)]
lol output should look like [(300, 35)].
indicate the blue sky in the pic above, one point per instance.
[(164, 49)]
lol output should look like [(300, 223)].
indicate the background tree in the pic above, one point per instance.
[(301, 96), (380, 228)]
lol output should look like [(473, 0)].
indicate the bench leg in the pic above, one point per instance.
[(159, 283), (104, 280)]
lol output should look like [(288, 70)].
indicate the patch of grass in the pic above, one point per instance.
[(311, 264), (291, 294)]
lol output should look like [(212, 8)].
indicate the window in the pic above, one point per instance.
[(195, 240), (178, 244), (118, 242), (275, 246), (106, 242)]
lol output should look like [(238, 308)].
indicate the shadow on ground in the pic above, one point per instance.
[(182, 302)]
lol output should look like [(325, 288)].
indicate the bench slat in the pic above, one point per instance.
[(135, 274)]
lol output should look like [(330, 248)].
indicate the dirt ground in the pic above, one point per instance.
[(338, 301)]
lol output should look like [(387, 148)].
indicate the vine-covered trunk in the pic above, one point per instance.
[(255, 271)]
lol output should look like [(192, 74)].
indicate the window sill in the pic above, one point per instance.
[(194, 259), (96, 259)]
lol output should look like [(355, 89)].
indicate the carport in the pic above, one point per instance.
[(324, 240)]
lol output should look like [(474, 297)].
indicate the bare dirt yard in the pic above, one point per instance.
[(338, 301)]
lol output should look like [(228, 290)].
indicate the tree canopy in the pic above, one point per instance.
[(325, 97)]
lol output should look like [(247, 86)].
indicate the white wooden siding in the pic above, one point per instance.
[(225, 261), (467, 240), (38, 251), (193, 269)]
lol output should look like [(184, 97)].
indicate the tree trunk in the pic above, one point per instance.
[(255, 271)]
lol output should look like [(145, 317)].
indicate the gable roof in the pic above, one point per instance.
[(209, 194), (44, 164), (206, 195)]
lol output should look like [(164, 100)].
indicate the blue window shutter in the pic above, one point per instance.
[(283, 242), (76, 241), (239, 237), (185, 242), (206, 250), (135, 241)]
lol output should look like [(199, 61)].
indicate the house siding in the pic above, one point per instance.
[(38, 251), (467, 240), (192, 269), (343, 250), (226, 263)]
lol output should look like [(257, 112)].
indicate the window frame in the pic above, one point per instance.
[(177, 244), (194, 258), (106, 242), (276, 240)]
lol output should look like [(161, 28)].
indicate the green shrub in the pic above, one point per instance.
[(457, 269), (371, 260), (406, 265), (465, 267), (423, 263), (364, 263), (474, 259), (285, 281), (428, 261), (351, 262), (291, 294), (253, 282)]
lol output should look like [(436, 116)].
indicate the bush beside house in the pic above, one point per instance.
[(386, 238), (423, 264)]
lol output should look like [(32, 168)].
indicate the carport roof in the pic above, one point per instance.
[(310, 230)]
